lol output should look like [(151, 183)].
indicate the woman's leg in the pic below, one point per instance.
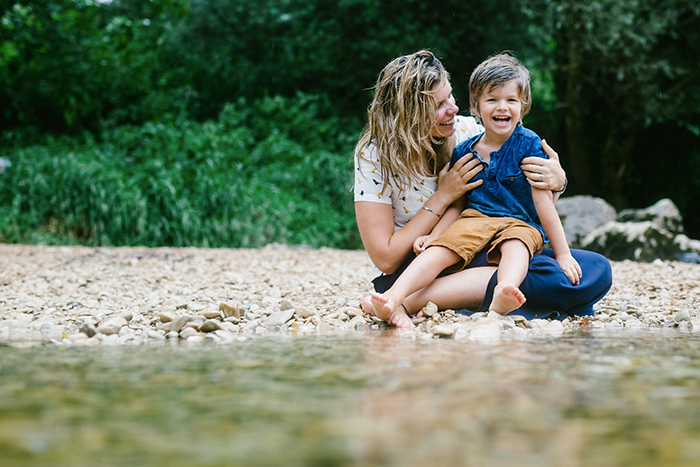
[(549, 291), (463, 289)]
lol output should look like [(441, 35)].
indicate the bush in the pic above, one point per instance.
[(276, 170)]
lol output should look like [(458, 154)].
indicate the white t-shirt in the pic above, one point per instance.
[(405, 203)]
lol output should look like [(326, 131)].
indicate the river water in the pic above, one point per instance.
[(595, 398)]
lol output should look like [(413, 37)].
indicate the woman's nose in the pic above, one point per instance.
[(454, 109)]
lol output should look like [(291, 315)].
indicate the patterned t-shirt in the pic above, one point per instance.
[(405, 202)]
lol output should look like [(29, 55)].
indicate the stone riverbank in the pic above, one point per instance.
[(126, 296)]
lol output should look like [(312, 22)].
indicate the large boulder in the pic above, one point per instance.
[(664, 214), (644, 235), (581, 215), (640, 241)]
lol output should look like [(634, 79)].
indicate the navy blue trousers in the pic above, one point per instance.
[(549, 292)]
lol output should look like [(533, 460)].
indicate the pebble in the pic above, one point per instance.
[(111, 326), (210, 326), (430, 309), (278, 318), (442, 331), (188, 332), (179, 322), (683, 315), (305, 312), (166, 316), (230, 309), (212, 314), (88, 329)]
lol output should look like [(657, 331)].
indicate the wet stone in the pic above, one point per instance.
[(442, 330), (430, 309), (179, 322), (111, 326), (278, 318), (212, 314), (210, 326), (188, 332), (88, 329), (683, 315), (230, 310)]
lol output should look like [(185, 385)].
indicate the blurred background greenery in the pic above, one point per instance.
[(232, 122)]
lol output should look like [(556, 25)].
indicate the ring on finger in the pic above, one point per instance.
[(540, 178)]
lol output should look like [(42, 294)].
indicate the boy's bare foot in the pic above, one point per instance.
[(506, 298), (384, 309)]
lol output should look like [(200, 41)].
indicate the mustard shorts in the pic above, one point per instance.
[(474, 231)]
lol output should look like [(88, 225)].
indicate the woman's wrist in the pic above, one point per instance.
[(563, 187), (438, 203)]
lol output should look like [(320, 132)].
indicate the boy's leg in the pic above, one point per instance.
[(512, 269), (421, 272)]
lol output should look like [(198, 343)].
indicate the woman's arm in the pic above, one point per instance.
[(388, 249), (452, 214), (545, 174), (544, 204)]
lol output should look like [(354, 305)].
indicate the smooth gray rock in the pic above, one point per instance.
[(111, 325), (179, 322), (442, 330), (278, 318), (210, 326), (580, 215)]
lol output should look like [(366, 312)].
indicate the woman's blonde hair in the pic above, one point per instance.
[(401, 117)]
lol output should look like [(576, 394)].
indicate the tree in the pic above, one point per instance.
[(620, 67)]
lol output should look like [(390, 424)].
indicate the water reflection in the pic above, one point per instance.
[(594, 398)]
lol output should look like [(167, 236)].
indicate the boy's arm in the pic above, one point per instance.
[(451, 214), (544, 204)]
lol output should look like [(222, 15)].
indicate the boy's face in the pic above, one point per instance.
[(501, 109)]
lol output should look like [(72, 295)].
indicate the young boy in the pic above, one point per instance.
[(504, 213)]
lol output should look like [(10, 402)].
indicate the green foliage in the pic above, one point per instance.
[(621, 68), (276, 170), (608, 77)]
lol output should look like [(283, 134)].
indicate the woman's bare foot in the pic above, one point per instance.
[(384, 309), (366, 305), (506, 298)]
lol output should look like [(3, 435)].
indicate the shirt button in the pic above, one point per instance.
[(512, 178)]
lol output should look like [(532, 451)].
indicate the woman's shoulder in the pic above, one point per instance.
[(466, 127)]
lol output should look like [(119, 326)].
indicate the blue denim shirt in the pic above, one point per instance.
[(505, 191)]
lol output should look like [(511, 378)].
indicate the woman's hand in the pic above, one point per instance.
[(453, 184), (545, 174)]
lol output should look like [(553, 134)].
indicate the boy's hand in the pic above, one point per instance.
[(421, 243), (570, 267)]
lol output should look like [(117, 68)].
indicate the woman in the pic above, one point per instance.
[(402, 188)]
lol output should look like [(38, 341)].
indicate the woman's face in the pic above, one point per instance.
[(446, 111)]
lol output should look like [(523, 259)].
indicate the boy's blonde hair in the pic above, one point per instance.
[(401, 117), (495, 72)]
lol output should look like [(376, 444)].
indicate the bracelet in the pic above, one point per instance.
[(431, 211), (563, 189)]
